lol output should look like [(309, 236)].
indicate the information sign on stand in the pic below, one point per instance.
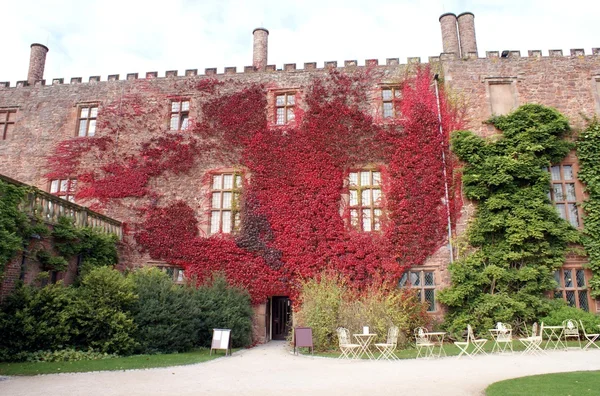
[(303, 338), (221, 340)]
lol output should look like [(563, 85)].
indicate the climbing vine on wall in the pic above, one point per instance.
[(295, 222), (517, 237), (588, 152)]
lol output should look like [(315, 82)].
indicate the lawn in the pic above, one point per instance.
[(120, 363), (561, 384)]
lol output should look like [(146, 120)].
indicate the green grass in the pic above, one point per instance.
[(561, 384), (120, 363)]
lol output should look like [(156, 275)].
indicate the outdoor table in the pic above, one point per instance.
[(437, 338), (554, 334), (365, 340), (501, 336)]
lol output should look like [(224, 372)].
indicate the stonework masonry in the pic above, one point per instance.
[(48, 114)]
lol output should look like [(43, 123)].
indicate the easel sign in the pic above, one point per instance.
[(221, 340), (303, 338)]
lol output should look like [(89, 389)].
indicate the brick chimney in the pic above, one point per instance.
[(259, 53), (449, 34), (466, 31), (37, 62)]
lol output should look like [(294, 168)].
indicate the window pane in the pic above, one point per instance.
[(353, 178), (580, 275), (376, 196), (227, 182), (365, 179), (386, 94), (226, 221), (82, 127), (583, 300), (560, 208), (570, 295), (430, 298), (568, 278), (84, 112), (185, 106), (93, 112), (557, 277), (354, 218), (226, 200), (366, 220), (571, 192), (184, 122), (216, 182), (214, 222), (64, 185), (216, 200), (353, 197), (397, 92), (92, 128), (557, 188), (376, 222), (429, 278), (573, 215), (376, 178), (290, 114), (414, 279), (388, 110), (403, 279), (180, 275), (175, 107), (54, 186), (568, 172), (174, 125), (280, 99), (555, 172), (280, 116), (366, 197), (291, 99)]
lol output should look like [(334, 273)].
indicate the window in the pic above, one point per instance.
[(86, 125), (225, 194), (176, 274), (424, 282), (180, 115), (284, 107), (390, 97), (365, 200), (502, 96), (562, 193), (572, 287), (7, 123), (64, 188)]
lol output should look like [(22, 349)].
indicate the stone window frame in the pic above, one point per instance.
[(176, 273), (419, 283), (6, 120), (179, 115), (596, 91), (354, 201), (217, 211), (577, 191), (90, 118), (394, 100), (64, 188), (498, 80), (287, 106), (579, 291)]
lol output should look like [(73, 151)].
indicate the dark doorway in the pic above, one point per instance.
[(281, 316)]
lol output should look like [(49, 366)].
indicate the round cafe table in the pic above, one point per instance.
[(365, 340)]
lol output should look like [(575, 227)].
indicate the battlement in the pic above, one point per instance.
[(350, 65)]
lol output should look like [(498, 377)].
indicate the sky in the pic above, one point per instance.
[(90, 37)]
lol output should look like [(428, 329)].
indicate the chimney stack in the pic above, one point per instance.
[(259, 53), (466, 31), (450, 34), (37, 62)]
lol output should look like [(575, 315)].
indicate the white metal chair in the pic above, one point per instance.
[(388, 348), (592, 339), (349, 350), (477, 343), (503, 338), (533, 343), (571, 330), (423, 342)]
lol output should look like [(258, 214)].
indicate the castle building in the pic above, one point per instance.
[(179, 158)]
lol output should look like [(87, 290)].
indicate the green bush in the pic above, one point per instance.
[(66, 355), (224, 306), (562, 312), (326, 304), (13, 223), (167, 316), (101, 314)]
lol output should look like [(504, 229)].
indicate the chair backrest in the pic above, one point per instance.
[(470, 334), (582, 328), (570, 327), (421, 335), (343, 336), (504, 332), (392, 336), (534, 330)]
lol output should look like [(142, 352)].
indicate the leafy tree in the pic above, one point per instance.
[(517, 237)]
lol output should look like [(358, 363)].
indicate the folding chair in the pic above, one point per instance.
[(477, 343), (388, 348), (592, 339), (348, 349), (422, 342), (570, 330), (533, 343)]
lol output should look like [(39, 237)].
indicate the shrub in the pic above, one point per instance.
[(563, 312), (224, 306), (167, 316), (66, 355)]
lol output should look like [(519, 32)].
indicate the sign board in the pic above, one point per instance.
[(221, 340), (303, 338)]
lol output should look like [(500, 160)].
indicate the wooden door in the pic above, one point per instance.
[(281, 317)]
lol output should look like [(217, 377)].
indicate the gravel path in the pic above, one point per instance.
[(271, 369)]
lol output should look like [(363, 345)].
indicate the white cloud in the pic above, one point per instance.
[(109, 37)]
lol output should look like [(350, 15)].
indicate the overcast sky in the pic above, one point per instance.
[(90, 37)]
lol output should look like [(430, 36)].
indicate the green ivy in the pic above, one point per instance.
[(588, 152), (517, 238), (14, 225)]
